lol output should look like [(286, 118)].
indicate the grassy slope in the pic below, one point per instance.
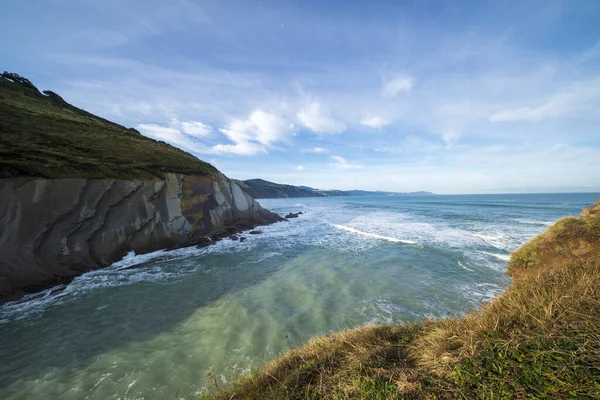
[(540, 339), (41, 135)]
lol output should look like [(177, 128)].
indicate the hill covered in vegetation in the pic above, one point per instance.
[(261, 189), (539, 339), (41, 135)]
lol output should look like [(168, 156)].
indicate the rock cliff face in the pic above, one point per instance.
[(52, 230)]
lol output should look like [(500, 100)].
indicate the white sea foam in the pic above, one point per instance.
[(468, 269), (486, 238), (503, 257), (479, 292), (132, 259), (499, 241), (115, 275), (373, 235), (533, 222), (263, 258)]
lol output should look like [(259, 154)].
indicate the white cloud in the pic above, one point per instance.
[(313, 118), (536, 113), (250, 136), (196, 128), (240, 148), (397, 85), (341, 163), (316, 150), (568, 102), (268, 127), (173, 136), (374, 122), (450, 137), (300, 167)]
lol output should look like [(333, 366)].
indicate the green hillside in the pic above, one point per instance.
[(41, 135)]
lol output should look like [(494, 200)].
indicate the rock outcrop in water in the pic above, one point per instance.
[(86, 191)]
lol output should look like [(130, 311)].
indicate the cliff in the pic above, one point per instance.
[(539, 339), (79, 192), (261, 189)]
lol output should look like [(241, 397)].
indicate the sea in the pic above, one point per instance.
[(199, 318)]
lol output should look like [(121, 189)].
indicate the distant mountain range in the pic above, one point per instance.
[(261, 189)]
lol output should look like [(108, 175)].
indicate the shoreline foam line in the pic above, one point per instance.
[(468, 269), (373, 235), (504, 257)]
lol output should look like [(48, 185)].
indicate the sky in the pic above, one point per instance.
[(445, 96)]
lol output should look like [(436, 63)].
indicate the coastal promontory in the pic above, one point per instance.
[(78, 192)]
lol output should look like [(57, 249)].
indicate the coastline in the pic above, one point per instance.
[(515, 346)]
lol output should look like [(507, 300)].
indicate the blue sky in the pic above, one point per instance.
[(445, 96)]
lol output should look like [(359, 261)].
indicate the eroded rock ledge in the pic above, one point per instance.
[(52, 230)]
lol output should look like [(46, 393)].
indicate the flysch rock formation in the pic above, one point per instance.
[(52, 230)]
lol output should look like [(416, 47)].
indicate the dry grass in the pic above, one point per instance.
[(540, 339), (369, 360)]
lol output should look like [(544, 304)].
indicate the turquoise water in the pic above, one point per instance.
[(155, 331)]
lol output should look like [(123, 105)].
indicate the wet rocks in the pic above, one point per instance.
[(293, 215), (203, 242), (219, 236), (255, 232)]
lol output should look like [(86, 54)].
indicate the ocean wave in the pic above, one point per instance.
[(533, 222), (503, 257), (118, 274), (263, 258), (468, 269), (478, 292), (132, 259), (373, 235), (495, 241)]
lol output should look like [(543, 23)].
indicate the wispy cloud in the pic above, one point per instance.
[(341, 163), (374, 122), (315, 119), (174, 136), (573, 100), (316, 150), (450, 137), (196, 128), (397, 85), (254, 134)]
